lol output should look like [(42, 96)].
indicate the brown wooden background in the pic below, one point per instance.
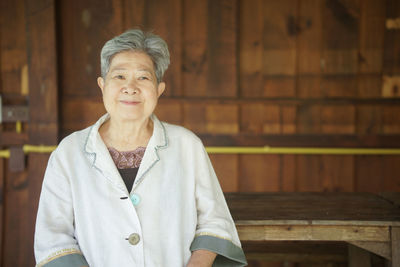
[(314, 73)]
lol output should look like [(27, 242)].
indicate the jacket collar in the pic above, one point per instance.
[(101, 158)]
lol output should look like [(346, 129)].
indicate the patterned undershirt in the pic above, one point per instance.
[(127, 163)]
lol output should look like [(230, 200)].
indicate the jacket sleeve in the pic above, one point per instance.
[(215, 230), (55, 244)]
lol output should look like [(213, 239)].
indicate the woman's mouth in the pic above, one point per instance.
[(130, 103)]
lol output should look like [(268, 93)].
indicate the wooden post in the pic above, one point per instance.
[(43, 99), (23, 188), (395, 235)]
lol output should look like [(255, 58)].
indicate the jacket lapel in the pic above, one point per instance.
[(157, 141), (101, 158)]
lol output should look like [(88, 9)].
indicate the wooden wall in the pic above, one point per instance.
[(297, 73)]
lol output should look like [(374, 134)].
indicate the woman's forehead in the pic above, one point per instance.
[(128, 59)]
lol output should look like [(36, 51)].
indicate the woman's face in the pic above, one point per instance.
[(130, 89)]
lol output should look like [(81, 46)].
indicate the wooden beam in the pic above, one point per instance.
[(313, 233)]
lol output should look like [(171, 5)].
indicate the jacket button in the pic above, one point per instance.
[(135, 199), (134, 239)]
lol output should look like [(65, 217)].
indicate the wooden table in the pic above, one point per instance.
[(367, 221)]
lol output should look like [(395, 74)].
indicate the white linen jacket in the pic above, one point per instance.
[(86, 216)]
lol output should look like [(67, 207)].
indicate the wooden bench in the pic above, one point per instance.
[(367, 222)]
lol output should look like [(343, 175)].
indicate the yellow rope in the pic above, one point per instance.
[(253, 150), (4, 153), (303, 150)]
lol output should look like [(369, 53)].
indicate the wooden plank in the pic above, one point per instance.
[(369, 119), (2, 196), (222, 119), (312, 208), (279, 44), (222, 48), (288, 170), (261, 172), (251, 48), (308, 176), (337, 173), (340, 37), (295, 251), (17, 220), (309, 49), (267, 119), (358, 257), (390, 120), (369, 174), (338, 119), (226, 168), (391, 52), (334, 86), (308, 119), (369, 86), (391, 86), (395, 238), (392, 197), (313, 233), (382, 249), (194, 117), (165, 19), (43, 94), (327, 119), (171, 113), (85, 26), (391, 179), (79, 113), (252, 118), (195, 58), (371, 36), (22, 194), (209, 61), (11, 138), (288, 119), (13, 57)]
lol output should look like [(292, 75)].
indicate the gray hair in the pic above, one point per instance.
[(136, 40)]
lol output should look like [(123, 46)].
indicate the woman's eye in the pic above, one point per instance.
[(120, 77), (143, 78)]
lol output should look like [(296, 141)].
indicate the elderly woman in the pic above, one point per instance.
[(131, 190)]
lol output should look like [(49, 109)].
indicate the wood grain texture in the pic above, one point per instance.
[(261, 172), (382, 249), (2, 196), (313, 233), (163, 18), (312, 208), (209, 48), (358, 257), (43, 79), (85, 27), (391, 53), (13, 47), (226, 168), (395, 238)]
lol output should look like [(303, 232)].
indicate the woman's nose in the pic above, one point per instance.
[(130, 88)]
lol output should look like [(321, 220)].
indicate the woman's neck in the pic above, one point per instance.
[(126, 135)]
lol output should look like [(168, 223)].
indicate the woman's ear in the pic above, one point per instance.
[(100, 82), (160, 88)]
